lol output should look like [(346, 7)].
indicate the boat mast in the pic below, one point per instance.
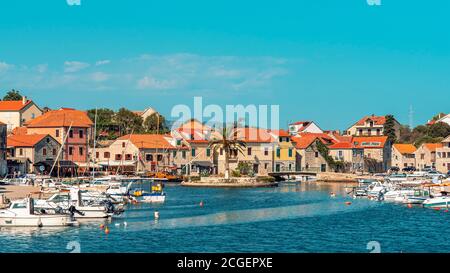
[(60, 150), (95, 142)]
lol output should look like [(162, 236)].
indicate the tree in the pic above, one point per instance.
[(438, 116), (229, 144), (155, 123), (440, 129), (427, 139), (389, 128), (406, 135), (128, 122), (105, 120), (12, 95)]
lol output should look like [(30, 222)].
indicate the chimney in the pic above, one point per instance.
[(24, 100)]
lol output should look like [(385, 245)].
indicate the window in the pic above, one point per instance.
[(106, 155), (278, 152), (221, 151), (44, 152), (80, 150), (148, 157), (70, 150), (249, 151), (208, 152), (266, 165), (159, 157), (71, 133), (174, 153), (57, 133), (33, 115), (316, 154), (118, 157), (290, 152), (81, 133), (20, 151), (128, 157), (178, 142), (123, 144), (54, 152), (97, 154), (266, 151), (48, 140), (193, 152), (183, 154)]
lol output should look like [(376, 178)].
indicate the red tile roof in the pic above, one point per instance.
[(148, 141), (254, 135), (63, 117), (405, 148), (24, 140), (342, 145), (19, 131), (13, 105), (378, 120), (433, 146)]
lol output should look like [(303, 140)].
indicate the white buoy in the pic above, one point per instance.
[(125, 224), (117, 225), (156, 215)]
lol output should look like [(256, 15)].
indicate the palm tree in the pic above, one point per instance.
[(228, 143)]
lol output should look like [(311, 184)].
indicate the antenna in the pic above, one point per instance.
[(411, 117)]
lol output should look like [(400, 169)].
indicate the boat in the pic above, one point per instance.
[(22, 213), (418, 197), (438, 202), (154, 195), (84, 207), (397, 178), (397, 195), (376, 190)]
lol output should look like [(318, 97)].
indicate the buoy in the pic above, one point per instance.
[(106, 230), (409, 206), (201, 203), (125, 224), (156, 215), (102, 226), (332, 194), (437, 208), (348, 203)]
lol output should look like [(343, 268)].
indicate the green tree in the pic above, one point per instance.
[(440, 129), (427, 139), (389, 128), (128, 122), (12, 95), (105, 120), (156, 123), (406, 134)]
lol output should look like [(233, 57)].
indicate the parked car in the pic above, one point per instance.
[(395, 169), (433, 174), (409, 169)]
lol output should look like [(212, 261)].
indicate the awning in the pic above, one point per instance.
[(114, 163), (202, 163), (61, 164), (88, 165)]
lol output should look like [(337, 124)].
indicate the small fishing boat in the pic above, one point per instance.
[(397, 195), (154, 195), (418, 197), (22, 213), (438, 202)]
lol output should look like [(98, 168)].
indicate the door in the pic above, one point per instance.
[(255, 168), (323, 168), (277, 168)]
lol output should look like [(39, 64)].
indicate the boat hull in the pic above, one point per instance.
[(36, 221)]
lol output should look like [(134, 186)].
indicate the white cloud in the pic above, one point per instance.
[(148, 82), (4, 66), (102, 62), (42, 68), (99, 76), (74, 66)]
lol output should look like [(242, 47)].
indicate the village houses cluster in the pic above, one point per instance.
[(34, 141)]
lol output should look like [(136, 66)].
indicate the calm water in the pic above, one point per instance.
[(290, 218)]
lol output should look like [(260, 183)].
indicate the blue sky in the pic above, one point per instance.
[(325, 60)]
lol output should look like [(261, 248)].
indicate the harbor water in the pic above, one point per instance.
[(289, 218)]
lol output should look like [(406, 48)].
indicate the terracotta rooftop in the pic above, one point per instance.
[(13, 105), (433, 146), (148, 141), (405, 148), (24, 140), (63, 117), (378, 120), (373, 142)]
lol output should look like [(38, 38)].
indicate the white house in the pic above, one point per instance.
[(304, 127)]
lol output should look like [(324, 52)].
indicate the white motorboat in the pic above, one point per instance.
[(81, 207), (376, 190), (22, 213), (397, 195), (440, 202), (397, 178), (418, 197)]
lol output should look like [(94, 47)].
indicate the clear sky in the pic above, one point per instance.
[(331, 61)]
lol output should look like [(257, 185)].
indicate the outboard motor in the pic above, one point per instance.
[(73, 210)]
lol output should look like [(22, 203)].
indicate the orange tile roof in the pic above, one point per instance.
[(13, 105), (280, 133), (303, 142), (148, 141), (19, 131), (378, 120), (254, 135), (373, 142), (63, 117), (342, 145), (405, 148), (24, 140), (433, 146)]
